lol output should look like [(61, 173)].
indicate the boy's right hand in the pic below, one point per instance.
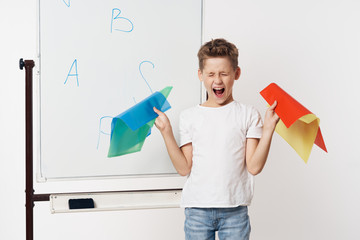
[(162, 122)]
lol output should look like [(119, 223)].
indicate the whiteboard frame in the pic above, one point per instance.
[(176, 180)]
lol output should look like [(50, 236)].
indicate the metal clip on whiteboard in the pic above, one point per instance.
[(21, 63), (112, 201)]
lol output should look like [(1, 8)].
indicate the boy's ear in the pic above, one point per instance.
[(200, 74), (237, 73)]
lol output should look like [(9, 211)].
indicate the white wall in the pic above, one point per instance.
[(18, 40), (310, 48)]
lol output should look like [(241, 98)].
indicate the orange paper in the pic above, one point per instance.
[(297, 125)]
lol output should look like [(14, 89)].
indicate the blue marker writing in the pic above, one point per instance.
[(67, 3), (143, 75), (116, 12), (73, 74), (101, 131)]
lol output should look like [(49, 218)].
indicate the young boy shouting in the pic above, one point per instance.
[(223, 144)]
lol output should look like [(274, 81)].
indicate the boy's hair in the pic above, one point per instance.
[(218, 48)]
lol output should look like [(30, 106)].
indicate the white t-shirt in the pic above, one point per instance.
[(219, 177)]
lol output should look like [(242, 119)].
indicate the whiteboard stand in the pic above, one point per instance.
[(104, 201), (29, 191)]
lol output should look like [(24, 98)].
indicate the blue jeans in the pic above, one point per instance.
[(231, 223)]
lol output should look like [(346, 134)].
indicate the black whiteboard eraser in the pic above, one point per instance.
[(81, 203)]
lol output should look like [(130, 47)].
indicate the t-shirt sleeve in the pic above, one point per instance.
[(255, 124), (184, 129)]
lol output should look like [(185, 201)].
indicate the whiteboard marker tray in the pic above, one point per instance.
[(112, 201)]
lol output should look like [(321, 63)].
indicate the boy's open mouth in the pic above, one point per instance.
[(219, 91)]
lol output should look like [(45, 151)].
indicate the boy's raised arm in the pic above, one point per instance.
[(257, 151), (180, 157)]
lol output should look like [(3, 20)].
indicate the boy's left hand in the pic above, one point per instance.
[(271, 118)]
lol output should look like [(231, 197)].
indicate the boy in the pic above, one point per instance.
[(223, 144)]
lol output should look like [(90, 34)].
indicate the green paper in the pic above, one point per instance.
[(126, 138)]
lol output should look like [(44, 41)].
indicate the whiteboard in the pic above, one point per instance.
[(96, 60)]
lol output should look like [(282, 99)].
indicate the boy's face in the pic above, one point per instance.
[(218, 76)]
